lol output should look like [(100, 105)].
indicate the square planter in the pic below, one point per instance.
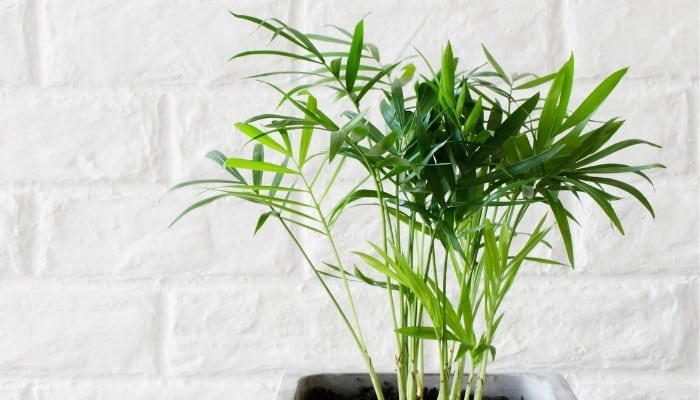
[(528, 386)]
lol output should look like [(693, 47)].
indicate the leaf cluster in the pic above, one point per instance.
[(452, 167)]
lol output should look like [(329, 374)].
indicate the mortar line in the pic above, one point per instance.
[(31, 210), (29, 392), (564, 27), (692, 101), (222, 281), (295, 13), (164, 319), (33, 31), (166, 139)]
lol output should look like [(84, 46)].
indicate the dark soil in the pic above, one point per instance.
[(367, 393)]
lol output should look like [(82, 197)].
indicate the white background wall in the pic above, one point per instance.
[(104, 104)]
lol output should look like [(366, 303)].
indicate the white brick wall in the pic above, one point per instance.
[(106, 103)]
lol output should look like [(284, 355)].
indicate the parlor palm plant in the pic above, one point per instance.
[(452, 167)]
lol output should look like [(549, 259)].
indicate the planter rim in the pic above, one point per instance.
[(548, 385)]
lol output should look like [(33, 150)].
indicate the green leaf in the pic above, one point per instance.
[(372, 82), (286, 72), (474, 116), (219, 158), (200, 182), (303, 225), (335, 67), (277, 180), (278, 53), (258, 156), (383, 146), (277, 30), (338, 137), (561, 215), (261, 220), (493, 258), (260, 137), (337, 140), (307, 132), (624, 187), (303, 39), (617, 169), (495, 65), (594, 100), (425, 332), (364, 278), (548, 116), (257, 188), (463, 94), (316, 115), (567, 86), (447, 77), (258, 166), (536, 82), (389, 115), (601, 198), (508, 128), (592, 141), (545, 261), (354, 56), (326, 38), (614, 148), (279, 204), (373, 51), (196, 206), (407, 75), (378, 265), (495, 117)]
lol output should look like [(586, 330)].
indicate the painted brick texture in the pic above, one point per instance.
[(105, 104)]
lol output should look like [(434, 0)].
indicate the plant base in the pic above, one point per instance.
[(512, 386)]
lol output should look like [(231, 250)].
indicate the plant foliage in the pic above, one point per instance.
[(453, 165)]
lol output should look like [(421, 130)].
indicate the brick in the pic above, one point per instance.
[(628, 386), (522, 38), (166, 42), (150, 389), (628, 324), (14, 64), (124, 233), (637, 103), (58, 331), (642, 248), (14, 390), (276, 327), (73, 136), (138, 91), (624, 32), (601, 250), (17, 230), (203, 121)]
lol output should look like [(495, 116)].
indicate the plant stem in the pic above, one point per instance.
[(479, 393), (457, 380), (444, 378), (359, 340), (470, 382)]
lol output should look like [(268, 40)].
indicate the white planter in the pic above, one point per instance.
[(529, 386)]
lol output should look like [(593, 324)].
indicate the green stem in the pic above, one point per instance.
[(479, 393), (322, 281), (444, 387), (470, 382), (356, 321), (457, 380)]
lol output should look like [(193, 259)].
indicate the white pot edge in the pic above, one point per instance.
[(553, 384)]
